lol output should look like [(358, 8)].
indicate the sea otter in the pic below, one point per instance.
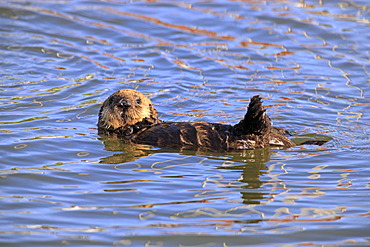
[(131, 116)]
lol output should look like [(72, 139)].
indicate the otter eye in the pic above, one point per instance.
[(138, 101)]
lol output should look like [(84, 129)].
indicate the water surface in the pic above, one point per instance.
[(62, 184)]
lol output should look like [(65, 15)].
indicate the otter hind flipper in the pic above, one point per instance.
[(255, 120)]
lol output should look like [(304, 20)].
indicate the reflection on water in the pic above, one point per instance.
[(62, 184)]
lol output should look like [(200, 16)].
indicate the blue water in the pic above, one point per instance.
[(63, 184)]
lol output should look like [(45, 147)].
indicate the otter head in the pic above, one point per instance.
[(124, 108)]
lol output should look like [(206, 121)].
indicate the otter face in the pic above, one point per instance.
[(125, 107)]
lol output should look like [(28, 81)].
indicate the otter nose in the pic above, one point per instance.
[(124, 103)]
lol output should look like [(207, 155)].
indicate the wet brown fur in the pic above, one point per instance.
[(130, 115)]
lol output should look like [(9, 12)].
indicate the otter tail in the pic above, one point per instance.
[(255, 120)]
